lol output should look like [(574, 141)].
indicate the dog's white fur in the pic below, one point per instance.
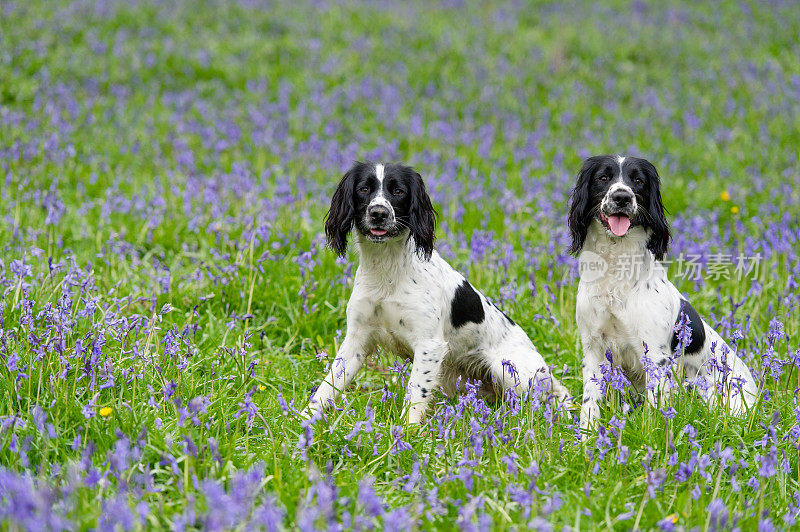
[(632, 305), (405, 303)]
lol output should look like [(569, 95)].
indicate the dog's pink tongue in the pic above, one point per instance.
[(377, 232), (619, 224)]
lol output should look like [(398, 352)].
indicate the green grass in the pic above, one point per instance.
[(184, 156)]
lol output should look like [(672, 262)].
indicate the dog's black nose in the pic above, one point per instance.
[(378, 213), (621, 198)]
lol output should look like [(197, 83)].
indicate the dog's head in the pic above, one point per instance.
[(383, 202), (621, 193)]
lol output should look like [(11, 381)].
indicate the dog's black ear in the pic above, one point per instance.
[(341, 215), (421, 217), (656, 217), (579, 208)]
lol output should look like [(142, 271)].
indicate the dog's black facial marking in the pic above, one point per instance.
[(623, 183), (379, 201), (695, 326), (466, 306), (382, 202)]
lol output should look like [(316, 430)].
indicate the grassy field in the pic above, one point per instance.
[(168, 300)]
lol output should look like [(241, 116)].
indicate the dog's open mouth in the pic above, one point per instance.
[(376, 234), (616, 223), (379, 234)]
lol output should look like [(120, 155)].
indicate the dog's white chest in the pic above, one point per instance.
[(389, 315), (390, 321), (606, 319), (603, 316)]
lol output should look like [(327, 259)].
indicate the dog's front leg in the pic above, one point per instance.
[(592, 393), (347, 363), (428, 357)]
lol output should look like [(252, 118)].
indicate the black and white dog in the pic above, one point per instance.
[(625, 302), (407, 299)]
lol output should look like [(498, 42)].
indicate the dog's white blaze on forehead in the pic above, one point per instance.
[(617, 185), (380, 198), (379, 173)]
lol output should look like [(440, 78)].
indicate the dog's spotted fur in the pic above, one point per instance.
[(407, 299), (631, 304)]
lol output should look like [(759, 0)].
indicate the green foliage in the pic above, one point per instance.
[(167, 169)]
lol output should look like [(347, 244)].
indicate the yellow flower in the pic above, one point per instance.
[(673, 518), (261, 388), (735, 209), (106, 411), (725, 196)]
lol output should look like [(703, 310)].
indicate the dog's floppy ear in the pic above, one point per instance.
[(579, 208), (341, 215), (656, 218), (421, 217)]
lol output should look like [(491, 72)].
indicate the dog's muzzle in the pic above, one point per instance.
[(621, 201), (617, 209), (379, 221)]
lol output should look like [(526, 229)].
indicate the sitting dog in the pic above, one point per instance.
[(407, 299), (625, 302)]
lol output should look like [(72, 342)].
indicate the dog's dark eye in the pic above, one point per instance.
[(398, 192), (363, 190), (604, 178), (638, 180)]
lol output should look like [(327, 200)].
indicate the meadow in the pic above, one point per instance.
[(167, 302)]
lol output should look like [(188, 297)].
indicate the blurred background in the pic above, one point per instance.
[(167, 166)]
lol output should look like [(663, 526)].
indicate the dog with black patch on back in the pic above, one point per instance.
[(625, 303), (408, 300)]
